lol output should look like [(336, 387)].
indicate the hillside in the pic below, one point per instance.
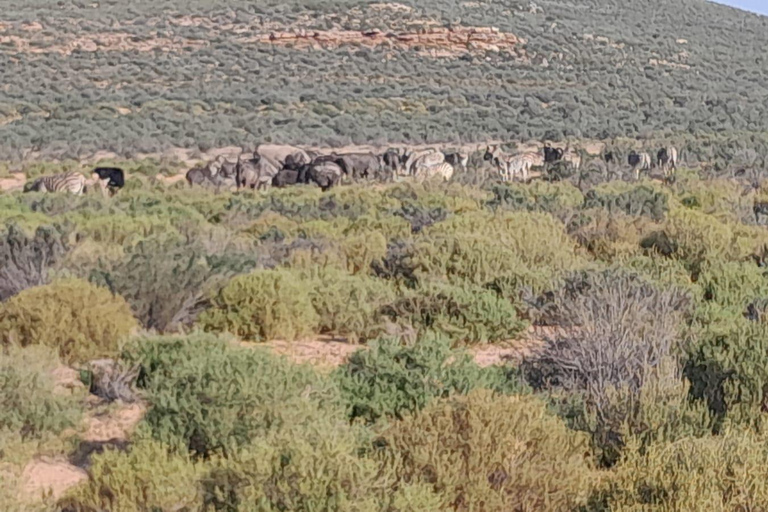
[(146, 76)]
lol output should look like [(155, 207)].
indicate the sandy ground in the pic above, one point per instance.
[(105, 426)]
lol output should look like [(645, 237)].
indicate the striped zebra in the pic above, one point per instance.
[(457, 159), (510, 166), (639, 162), (666, 158), (573, 158), (72, 182), (411, 159), (427, 172)]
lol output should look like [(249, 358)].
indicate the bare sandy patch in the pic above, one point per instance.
[(114, 423), (436, 41), (322, 352), (99, 42), (15, 182), (43, 477)]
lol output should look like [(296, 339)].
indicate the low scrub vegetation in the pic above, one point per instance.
[(562, 345), (76, 319)]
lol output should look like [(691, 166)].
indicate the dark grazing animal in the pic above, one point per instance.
[(391, 160), (279, 154), (115, 176), (639, 162), (457, 159), (359, 165), (323, 174), (286, 177), (72, 182), (666, 158), (552, 155), (219, 173)]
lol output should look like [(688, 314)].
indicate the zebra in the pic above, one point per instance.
[(639, 162), (666, 158), (510, 166), (427, 172), (573, 158), (457, 159), (410, 158), (72, 182)]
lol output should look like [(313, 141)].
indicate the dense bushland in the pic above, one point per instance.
[(638, 310)]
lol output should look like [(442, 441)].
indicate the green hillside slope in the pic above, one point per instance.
[(144, 76)]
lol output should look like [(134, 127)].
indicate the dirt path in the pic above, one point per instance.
[(104, 426), (327, 353)]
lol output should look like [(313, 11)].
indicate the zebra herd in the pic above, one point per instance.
[(280, 166)]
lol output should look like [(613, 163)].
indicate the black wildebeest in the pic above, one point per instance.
[(286, 177), (110, 179), (666, 158), (639, 162), (324, 174), (552, 155)]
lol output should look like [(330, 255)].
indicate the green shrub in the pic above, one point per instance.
[(348, 305), (725, 199), (537, 196), (391, 379), (485, 452), (631, 199), (728, 369), (28, 404), (702, 238), (480, 247), (209, 396), (75, 318), (464, 314), (263, 305), (303, 468), (146, 477), (718, 473), (733, 284)]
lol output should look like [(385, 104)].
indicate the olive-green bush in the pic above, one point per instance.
[(147, 477), (391, 378), (347, 305), (79, 320), (486, 452), (465, 314), (211, 397), (703, 239), (29, 404), (632, 199), (728, 369), (263, 305), (480, 247), (723, 473), (303, 468)]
